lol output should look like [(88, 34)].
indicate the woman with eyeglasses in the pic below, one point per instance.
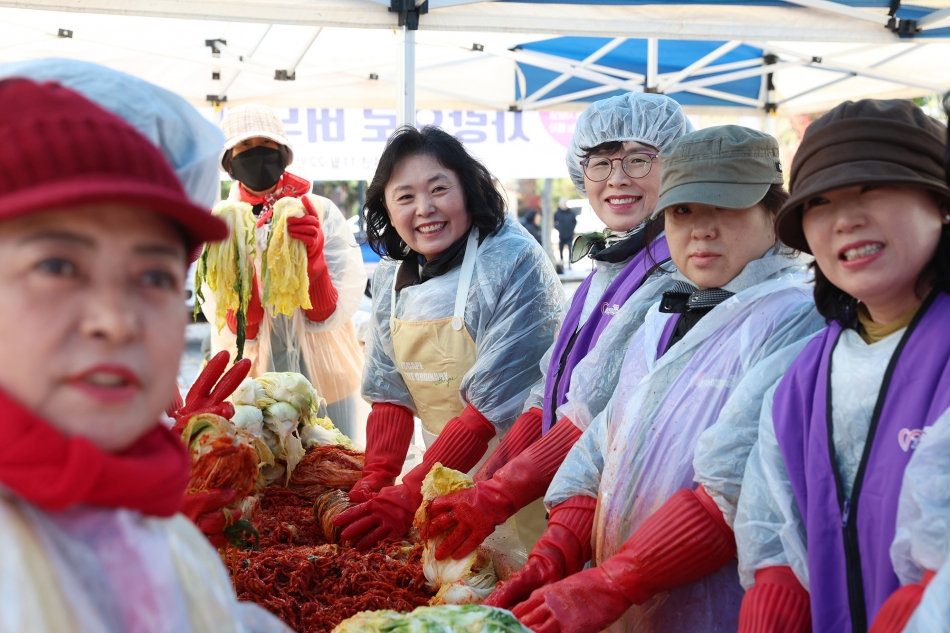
[(659, 468), (613, 161)]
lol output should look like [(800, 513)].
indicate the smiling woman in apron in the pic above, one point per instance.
[(464, 306), (739, 312), (819, 506), (613, 162)]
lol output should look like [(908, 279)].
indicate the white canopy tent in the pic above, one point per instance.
[(313, 54), (469, 54)]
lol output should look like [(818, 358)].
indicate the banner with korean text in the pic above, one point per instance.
[(345, 144)]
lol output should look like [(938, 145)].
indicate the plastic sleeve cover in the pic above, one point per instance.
[(922, 538), (345, 263), (582, 468), (514, 306), (933, 613), (594, 379), (535, 399), (768, 525), (723, 449)]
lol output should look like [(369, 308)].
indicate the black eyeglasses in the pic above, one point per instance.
[(599, 168)]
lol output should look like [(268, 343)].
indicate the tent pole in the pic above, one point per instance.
[(653, 64), (406, 103), (547, 217)]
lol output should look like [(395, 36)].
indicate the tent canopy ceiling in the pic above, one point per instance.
[(497, 67), (790, 20)]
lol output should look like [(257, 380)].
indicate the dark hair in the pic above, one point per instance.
[(835, 304), (483, 202), (773, 200), (607, 147), (226, 159)]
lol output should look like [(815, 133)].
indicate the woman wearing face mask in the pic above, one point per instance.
[(463, 309), (319, 343), (613, 161), (819, 504), (662, 548)]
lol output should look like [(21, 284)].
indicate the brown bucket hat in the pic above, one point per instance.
[(889, 142)]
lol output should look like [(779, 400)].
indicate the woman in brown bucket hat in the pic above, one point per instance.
[(838, 506)]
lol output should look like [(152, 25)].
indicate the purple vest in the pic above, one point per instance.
[(849, 561), (558, 379)]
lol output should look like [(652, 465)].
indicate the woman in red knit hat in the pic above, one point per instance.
[(96, 233)]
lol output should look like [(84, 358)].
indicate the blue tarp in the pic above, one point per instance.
[(631, 56)]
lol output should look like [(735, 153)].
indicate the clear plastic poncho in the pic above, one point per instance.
[(933, 613), (190, 143), (514, 306), (640, 450), (91, 570), (922, 540), (595, 378), (604, 274), (328, 352), (652, 119), (769, 527)]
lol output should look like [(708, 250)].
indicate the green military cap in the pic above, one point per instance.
[(726, 166)]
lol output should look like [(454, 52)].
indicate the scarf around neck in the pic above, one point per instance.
[(610, 246), (55, 472), (289, 185)]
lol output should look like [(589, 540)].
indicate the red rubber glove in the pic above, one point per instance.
[(208, 393), (684, 540), (586, 602), (525, 432), (254, 316), (777, 603), (207, 510), (897, 609), (307, 229), (563, 549), (473, 514), (389, 431), (460, 445)]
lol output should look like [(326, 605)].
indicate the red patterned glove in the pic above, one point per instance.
[(208, 393), (897, 609), (472, 514), (563, 549)]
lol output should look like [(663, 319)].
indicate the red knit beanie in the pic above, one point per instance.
[(59, 151)]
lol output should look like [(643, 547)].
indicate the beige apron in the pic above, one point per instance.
[(433, 356)]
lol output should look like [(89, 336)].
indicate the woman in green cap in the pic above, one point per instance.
[(665, 459)]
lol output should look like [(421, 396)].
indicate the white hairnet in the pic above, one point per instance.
[(190, 143), (651, 119)]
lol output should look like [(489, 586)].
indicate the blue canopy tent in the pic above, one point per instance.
[(627, 60), (697, 73)]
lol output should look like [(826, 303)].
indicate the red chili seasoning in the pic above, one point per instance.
[(312, 585)]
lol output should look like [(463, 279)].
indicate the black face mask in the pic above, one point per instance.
[(258, 168)]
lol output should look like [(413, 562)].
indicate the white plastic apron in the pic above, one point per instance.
[(433, 356)]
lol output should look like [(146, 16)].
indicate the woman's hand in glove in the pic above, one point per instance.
[(586, 602), (387, 515), (207, 510), (208, 393), (307, 230)]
